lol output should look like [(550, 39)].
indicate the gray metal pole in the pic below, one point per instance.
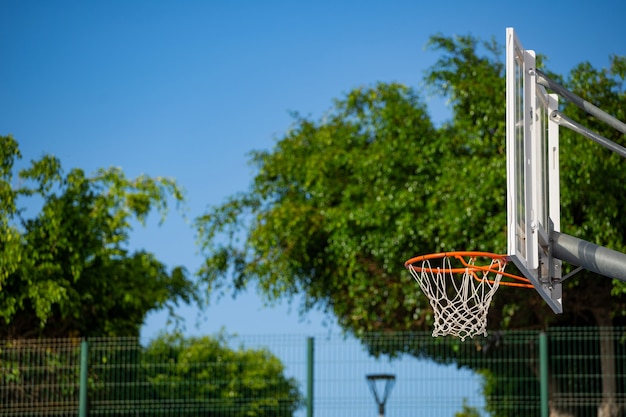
[(601, 260), (565, 121), (580, 102)]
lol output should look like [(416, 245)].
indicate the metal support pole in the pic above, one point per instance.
[(580, 102), (563, 120), (84, 363), (309, 376), (543, 375), (598, 259)]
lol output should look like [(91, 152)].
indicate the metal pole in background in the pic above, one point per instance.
[(543, 375), (309, 375), (84, 363)]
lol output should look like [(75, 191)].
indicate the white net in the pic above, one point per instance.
[(460, 297)]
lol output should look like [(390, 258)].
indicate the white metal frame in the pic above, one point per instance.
[(533, 195)]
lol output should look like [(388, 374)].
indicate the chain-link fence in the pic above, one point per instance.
[(564, 372)]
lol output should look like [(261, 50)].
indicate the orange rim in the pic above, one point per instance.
[(465, 257)]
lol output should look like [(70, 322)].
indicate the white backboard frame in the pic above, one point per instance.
[(533, 192)]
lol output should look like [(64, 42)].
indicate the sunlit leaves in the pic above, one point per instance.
[(474, 84), (340, 202), (593, 179), (327, 212), (223, 380), (66, 270), (10, 246)]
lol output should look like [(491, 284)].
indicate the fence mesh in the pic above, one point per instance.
[(267, 375), (39, 377)]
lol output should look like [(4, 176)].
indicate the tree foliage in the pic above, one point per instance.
[(339, 203), (333, 208), (221, 380), (67, 270), (592, 179)]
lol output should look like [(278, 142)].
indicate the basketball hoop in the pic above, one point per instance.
[(460, 286)]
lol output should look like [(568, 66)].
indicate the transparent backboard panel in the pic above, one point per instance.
[(532, 173), (519, 238)]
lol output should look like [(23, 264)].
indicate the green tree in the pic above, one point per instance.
[(67, 270), (215, 379), (340, 202), (338, 205), (331, 214)]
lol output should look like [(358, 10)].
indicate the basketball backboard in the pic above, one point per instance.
[(533, 206), (460, 292)]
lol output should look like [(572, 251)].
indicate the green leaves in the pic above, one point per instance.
[(475, 85), (10, 244), (339, 203), (328, 207), (224, 381), (67, 271)]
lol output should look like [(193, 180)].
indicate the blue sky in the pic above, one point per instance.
[(186, 89)]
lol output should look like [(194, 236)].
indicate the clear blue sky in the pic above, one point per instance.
[(186, 89)]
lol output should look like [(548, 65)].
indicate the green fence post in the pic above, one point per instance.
[(543, 374), (82, 400), (309, 376)]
